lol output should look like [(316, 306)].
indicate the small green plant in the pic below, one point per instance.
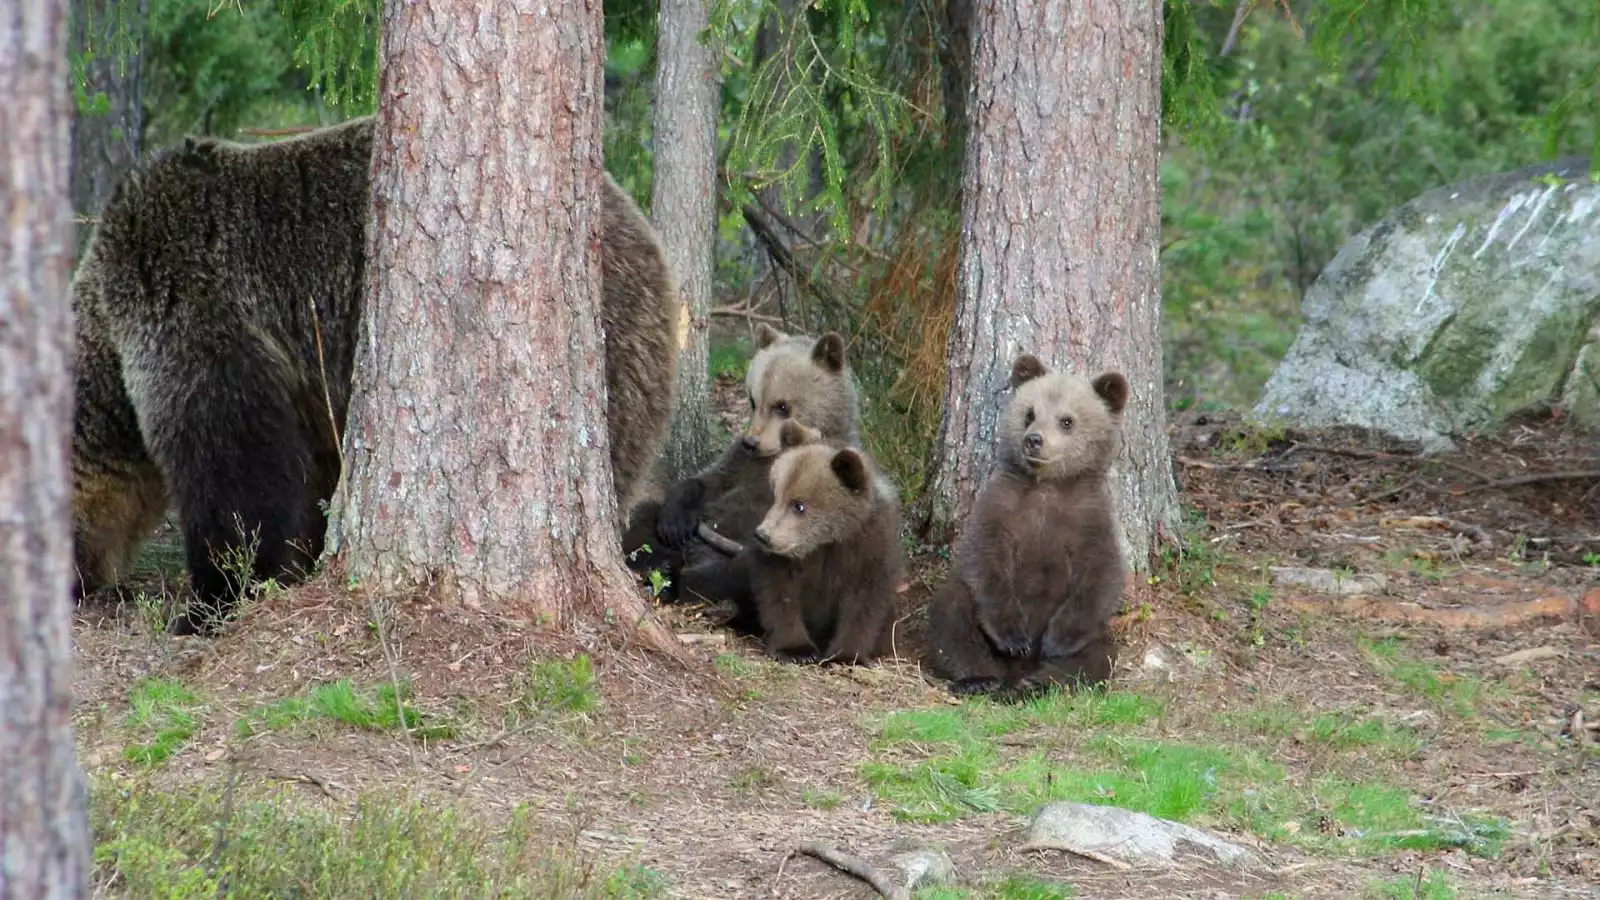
[(164, 712), (339, 701), (556, 685), (1430, 884), (820, 799), (1592, 559)]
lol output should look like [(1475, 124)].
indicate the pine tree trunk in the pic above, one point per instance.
[(1060, 241), (108, 42), (477, 454), (683, 209), (44, 835)]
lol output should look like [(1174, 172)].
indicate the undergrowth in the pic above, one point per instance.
[(205, 841)]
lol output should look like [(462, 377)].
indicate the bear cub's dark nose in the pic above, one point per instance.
[(763, 538), (1034, 442), (750, 442)]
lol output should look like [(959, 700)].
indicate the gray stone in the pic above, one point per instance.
[(1129, 837), (1467, 304), (1327, 581), (919, 868)]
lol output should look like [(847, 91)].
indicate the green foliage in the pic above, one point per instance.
[(212, 69), (377, 710), (195, 842), (165, 712), (556, 685)]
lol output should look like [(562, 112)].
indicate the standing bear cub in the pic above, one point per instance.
[(791, 379), (1037, 573), (825, 560)]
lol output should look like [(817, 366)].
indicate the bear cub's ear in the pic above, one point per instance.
[(829, 352), (766, 336), (851, 470), (1025, 369), (1113, 389), (793, 434)]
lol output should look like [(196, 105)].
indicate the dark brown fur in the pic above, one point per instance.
[(1037, 572), (826, 558), (198, 305), (791, 379)]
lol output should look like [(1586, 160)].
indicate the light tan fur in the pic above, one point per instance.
[(797, 377)]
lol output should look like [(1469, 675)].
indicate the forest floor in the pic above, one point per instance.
[(1429, 738)]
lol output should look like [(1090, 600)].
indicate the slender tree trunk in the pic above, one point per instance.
[(108, 45), (1060, 241), (683, 208), (955, 75), (478, 457), (44, 834)]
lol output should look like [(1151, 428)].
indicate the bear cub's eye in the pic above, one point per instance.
[(1066, 423), (781, 408), (1027, 418), (799, 507)]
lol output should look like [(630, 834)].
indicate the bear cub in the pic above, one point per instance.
[(791, 379), (1037, 573), (826, 557)]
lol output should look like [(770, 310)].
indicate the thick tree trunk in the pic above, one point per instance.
[(683, 208), (478, 457), (955, 75), (44, 834), (1060, 241), (108, 41)]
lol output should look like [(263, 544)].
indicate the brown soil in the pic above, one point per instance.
[(703, 773)]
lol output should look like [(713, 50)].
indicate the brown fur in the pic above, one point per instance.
[(1037, 572), (791, 380), (199, 304), (826, 557)]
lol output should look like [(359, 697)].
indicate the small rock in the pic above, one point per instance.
[(1422, 718), (1124, 835), (924, 867), (1327, 581)]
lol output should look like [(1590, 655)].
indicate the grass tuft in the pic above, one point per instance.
[(340, 702), (196, 842), (164, 711)]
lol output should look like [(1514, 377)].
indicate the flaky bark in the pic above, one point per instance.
[(477, 455), (44, 835), (1060, 240), (683, 209), (108, 43)]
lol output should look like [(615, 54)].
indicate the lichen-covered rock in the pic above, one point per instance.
[(1467, 304)]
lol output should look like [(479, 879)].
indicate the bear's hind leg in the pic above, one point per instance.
[(957, 650), (225, 431)]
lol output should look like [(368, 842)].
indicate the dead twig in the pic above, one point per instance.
[(767, 233), (858, 867), (728, 546), (1098, 857), (1454, 526), (738, 312), (1535, 478)]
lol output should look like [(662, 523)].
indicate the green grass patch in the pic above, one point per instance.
[(163, 715), (1337, 730), (197, 842), (560, 686), (339, 701), (1365, 817), (1463, 695)]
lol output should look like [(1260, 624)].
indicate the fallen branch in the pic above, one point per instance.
[(1098, 857), (858, 867), (728, 546), (769, 237), (1535, 478), (739, 312), (1454, 526)]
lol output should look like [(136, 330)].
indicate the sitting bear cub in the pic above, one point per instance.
[(1037, 573), (826, 558)]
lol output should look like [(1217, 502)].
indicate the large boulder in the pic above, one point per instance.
[(1467, 304)]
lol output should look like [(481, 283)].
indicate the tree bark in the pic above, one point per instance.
[(683, 208), (1060, 242), (108, 42), (44, 834), (955, 74), (477, 454)]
